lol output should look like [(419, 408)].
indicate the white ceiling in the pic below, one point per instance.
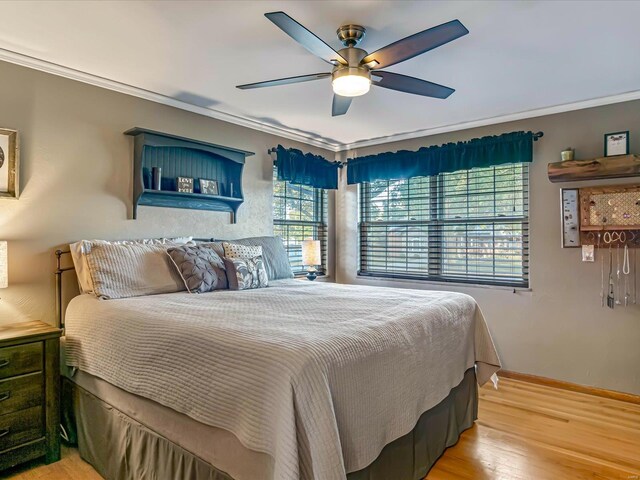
[(521, 58)]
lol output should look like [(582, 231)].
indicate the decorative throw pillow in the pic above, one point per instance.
[(233, 250), (274, 254), (200, 267), (121, 270), (245, 273)]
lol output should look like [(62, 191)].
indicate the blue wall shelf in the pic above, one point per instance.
[(184, 157)]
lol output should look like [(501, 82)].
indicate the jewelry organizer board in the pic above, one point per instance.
[(606, 218), (610, 216)]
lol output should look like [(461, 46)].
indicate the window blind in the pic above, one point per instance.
[(470, 226), (299, 212)]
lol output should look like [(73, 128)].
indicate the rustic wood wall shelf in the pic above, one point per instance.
[(619, 166), (184, 157)]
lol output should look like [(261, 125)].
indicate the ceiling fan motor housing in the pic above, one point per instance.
[(353, 56)]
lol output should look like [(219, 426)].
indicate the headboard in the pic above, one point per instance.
[(61, 269), (58, 273)]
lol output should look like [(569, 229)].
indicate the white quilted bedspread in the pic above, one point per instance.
[(319, 376)]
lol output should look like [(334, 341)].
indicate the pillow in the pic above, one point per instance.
[(233, 250), (77, 255), (246, 273), (274, 254), (121, 270), (217, 247), (200, 267)]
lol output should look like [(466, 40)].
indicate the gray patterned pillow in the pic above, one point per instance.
[(246, 273), (200, 267), (274, 254)]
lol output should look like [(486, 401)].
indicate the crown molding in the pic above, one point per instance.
[(310, 139), (512, 117), (95, 80)]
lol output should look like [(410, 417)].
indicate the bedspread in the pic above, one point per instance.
[(319, 376)]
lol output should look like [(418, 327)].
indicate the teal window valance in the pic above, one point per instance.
[(306, 168), (515, 147)]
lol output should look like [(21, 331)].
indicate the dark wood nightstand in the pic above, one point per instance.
[(29, 393)]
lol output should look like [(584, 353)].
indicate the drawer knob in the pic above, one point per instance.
[(4, 431), (4, 362), (4, 396)]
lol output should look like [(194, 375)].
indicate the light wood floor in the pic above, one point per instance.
[(524, 432)]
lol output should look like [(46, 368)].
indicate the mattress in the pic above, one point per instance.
[(319, 377)]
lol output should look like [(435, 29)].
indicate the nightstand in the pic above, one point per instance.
[(29, 393)]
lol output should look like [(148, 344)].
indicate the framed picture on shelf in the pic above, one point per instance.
[(616, 143), (185, 184), (209, 187), (9, 164)]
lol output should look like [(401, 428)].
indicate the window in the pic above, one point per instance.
[(469, 226), (299, 212)]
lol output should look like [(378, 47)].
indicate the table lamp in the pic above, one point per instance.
[(311, 256), (4, 274)]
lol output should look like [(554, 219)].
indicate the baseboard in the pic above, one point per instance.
[(574, 387)]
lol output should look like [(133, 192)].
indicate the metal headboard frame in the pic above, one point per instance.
[(58, 273), (60, 270)]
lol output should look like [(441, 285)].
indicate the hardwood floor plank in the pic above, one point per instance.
[(612, 444), (528, 431), (574, 387), (525, 431)]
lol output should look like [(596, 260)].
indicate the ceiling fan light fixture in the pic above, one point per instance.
[(351, 82)]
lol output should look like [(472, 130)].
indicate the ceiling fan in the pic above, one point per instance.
[(355, 70)]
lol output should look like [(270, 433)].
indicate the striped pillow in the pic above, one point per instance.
[(79, 261), (121, 270)]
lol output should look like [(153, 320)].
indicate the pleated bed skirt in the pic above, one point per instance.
[(121, 447)]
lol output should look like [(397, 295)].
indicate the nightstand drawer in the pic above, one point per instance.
[(20, 359), (21, 392), (20, 427)]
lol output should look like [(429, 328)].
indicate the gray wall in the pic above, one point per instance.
[(557, 329), (77, 178)]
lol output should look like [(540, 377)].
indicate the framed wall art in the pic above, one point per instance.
[(185, 184), (209, 187), (9, 164), (616, 143)]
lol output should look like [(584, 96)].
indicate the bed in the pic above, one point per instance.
[(299, 380)]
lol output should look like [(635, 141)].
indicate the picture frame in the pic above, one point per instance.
[(209, 187), (570, 215), (9, 163), (588, 253), (184, 184), (616, 143)]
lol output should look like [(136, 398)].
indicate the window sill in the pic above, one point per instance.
[(381, 279)]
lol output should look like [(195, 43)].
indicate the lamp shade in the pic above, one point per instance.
[(4, 273), (311, 252)]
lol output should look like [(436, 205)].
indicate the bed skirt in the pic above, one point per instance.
[(121, 448)]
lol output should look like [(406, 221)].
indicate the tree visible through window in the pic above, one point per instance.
[(469, 226), (299, 212)]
